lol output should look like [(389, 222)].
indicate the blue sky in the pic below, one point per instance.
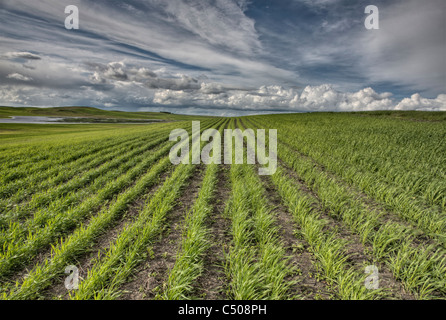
[(224, 57)]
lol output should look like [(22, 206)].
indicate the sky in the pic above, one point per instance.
[(224, 57)]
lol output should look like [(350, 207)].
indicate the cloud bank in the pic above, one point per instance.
[(311, 98)]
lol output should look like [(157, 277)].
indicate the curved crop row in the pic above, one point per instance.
[(256, 265), (326, 244), (73, 245), (115, 266), (37, 178), (422, 268), (42, 214), (356, 149), (189, 261), (432, 222)]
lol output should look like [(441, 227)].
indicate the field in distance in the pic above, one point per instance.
[(89, 112), (355, 210)]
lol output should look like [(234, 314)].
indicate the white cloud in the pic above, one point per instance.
[(11, 95), (416, 102), (23, 55), (18, 76), (219, 38), (366, 99), (120, 71), (277, 98), (221, 23)]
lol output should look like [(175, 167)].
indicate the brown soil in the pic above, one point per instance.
[(356, 251), (103, 242), (358, 257), (211, 284), (307, 287), (150, 276), (384, 215), (44, 255), (371, 204)]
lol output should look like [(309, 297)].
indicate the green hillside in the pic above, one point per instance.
[(89, 112)]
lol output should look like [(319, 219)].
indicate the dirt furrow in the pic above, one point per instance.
[(210, 284), (86, 261), (150, 276), (370, 203), (308, 286), (358, 258)]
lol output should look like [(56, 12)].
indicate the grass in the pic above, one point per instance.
[(89, 112)]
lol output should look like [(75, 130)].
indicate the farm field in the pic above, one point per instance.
[(92, 113), (356, 197)]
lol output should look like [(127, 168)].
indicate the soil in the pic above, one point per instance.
[(308, 287), (150, 276), (103, 242), (211, 284), (358, 257)]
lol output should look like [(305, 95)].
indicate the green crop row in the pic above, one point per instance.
[(94, 180), (430, 221), (327, 245), (255, 265), (22, 188), (114, 267), (63, 151), (50, 156), (38, 178), (75, 244), (421, 268), (47, 197), (189, 261), (406, 156), (17, 253)]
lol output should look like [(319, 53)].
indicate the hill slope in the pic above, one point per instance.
[(89, 112)]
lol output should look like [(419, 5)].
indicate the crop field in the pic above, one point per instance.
[(355, 210)]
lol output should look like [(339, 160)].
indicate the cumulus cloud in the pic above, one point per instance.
[(416, 102), (277, 98), (119, 71), (325, 98), (183, 82)]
